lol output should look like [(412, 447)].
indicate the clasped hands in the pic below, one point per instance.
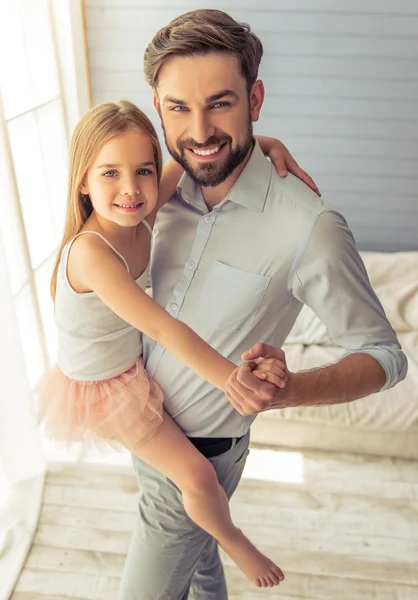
[(259, 384)]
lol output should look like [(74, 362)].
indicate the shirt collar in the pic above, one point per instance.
[(250, 190)]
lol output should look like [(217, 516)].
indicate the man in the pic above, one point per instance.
[(236, 253)]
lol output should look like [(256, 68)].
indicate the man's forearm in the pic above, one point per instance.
[(353, 377)]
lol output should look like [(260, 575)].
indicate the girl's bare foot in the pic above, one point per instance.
[(259, 569)]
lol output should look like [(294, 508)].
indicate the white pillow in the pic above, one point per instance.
[(394, 277)]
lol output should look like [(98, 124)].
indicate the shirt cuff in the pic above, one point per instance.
[(391, 358)]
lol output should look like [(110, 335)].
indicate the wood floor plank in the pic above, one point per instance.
[(315, 463), (326, 519), (314, 474), (318, 587), (84, 497), (299, 585), (80, 538), (265, 536), (41, 596), (369, 488), (316, 563), (91, 518), (58, 583), (355, 465), (339, 497), (331, 588), (48, 558), (366, 547), (347, 531), (285, 495), (118, 478), (334, 564)]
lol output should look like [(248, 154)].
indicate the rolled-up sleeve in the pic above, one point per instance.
[(332, 280)]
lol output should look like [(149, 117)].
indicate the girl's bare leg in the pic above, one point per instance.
[(204, 499)]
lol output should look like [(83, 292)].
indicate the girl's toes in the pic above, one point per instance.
[(275, 578)]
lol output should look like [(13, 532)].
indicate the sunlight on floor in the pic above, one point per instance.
[(262, 464), (56, 452), (274, 465)]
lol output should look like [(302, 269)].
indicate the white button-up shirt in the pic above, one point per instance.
[(240, 274)]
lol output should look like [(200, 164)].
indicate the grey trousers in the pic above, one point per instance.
[(171, 558)]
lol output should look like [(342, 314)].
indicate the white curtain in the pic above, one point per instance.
[(35, 41), (22, 465)]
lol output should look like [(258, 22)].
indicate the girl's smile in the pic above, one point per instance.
[(130, 207)]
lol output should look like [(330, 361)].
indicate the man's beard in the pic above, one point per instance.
[(210, 174)]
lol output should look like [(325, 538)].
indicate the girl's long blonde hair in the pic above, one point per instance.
[(96, 127)]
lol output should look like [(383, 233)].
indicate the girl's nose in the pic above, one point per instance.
[(130, 187)]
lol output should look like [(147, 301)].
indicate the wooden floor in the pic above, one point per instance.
[(341, 528)]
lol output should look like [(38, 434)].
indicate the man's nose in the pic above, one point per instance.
[(202, 129)]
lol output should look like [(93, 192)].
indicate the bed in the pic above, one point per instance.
[(385, 423)]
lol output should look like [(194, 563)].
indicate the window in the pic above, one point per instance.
[(35, 145)]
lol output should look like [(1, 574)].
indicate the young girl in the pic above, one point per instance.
[(99, 387)]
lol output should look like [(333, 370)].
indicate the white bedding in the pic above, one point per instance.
[(394, 277)]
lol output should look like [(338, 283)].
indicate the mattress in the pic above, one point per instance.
[(395, 409)]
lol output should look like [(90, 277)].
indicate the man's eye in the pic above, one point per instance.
[(220, 104), (179, 109), (110, 173)]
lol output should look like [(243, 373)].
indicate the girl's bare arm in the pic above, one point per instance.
[(99, 269)]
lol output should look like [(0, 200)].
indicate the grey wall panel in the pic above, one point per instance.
[(341, 78)]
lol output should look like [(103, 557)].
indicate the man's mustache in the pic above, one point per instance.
[(210, 142)]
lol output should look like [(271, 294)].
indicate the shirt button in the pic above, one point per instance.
[(190, 265), (174, 306), (207, 219)]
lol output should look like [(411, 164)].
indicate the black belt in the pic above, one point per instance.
[(210, 447)]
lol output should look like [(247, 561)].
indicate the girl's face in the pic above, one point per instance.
[(122, 181)]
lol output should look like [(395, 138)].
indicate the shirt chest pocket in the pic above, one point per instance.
[(231, 297)]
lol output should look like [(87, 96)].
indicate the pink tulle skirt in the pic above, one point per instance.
[(124, 410)]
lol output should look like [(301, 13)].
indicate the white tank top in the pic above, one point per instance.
[(93, 342)]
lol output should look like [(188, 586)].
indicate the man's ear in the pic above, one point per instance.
[(256, 99), (157, 104)]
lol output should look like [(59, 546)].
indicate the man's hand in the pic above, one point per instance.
[(354, 376), (250, 389)]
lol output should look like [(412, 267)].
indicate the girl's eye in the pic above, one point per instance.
[(144, 172), (109, 174)]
